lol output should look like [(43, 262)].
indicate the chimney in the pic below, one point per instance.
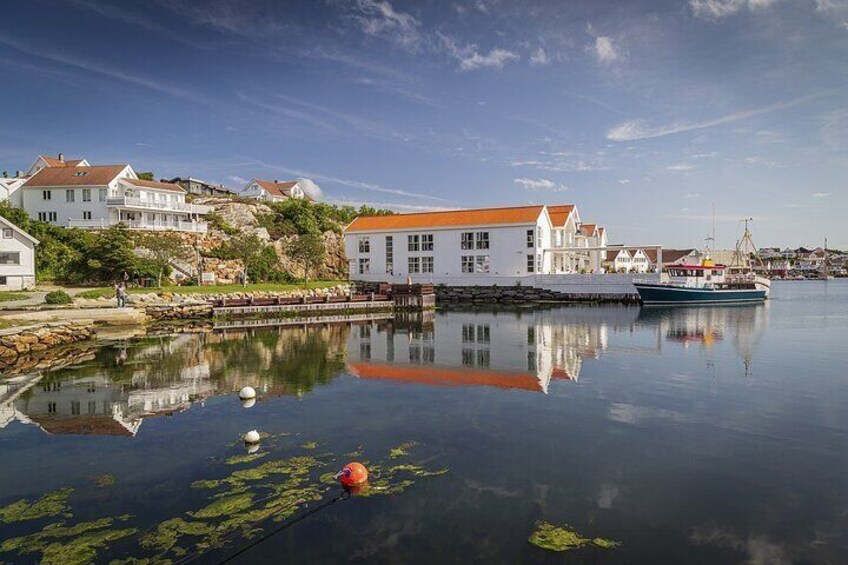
[(276, 181), (18, 174), (62, 157), (5, 175)]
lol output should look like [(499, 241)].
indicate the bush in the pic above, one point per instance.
[(58, 297)]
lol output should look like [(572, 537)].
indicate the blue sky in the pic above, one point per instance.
[(643, 113)]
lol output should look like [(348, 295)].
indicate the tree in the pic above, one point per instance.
[(114, 251), (308, 249), (246, 249), (162, 249), (145, 176)]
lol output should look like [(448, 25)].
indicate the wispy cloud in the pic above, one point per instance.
[(681, 167), (540, 185), (539, 57), (240, 181), (691, 195), (394, 206), (638, 129), (624, 181), (719, 9), (469, 56), (560, 165), (822, 194), (379, 18), (602, 48)]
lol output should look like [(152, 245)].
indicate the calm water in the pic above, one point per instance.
[(695, 435)]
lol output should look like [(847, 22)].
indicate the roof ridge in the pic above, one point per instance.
[(455, 210)]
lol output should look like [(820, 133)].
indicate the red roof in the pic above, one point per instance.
[(438, 376), (451, 218), (559, 214), (75, 176)]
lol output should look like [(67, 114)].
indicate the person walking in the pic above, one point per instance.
[(122, 295)]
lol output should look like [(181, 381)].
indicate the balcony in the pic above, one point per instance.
[(158, 205), (193, 227)]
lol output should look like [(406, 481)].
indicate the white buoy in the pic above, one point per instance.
[(252, 448), (251, 437), (247, 393), (248, 403)]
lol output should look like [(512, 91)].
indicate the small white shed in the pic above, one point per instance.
[(17, 257)]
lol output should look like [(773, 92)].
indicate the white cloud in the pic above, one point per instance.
[(379, 18), (387, 205), (561, 165), (540, 185), (624, 181), (540, 57), (692, 195), (311, 188), (604, 49), (469, 56), (240, 181), (637, 129), (719, 9), (822, 194), (683, 167), (757, 160)]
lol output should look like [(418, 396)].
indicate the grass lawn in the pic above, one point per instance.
[(13, 295), (208, 289)]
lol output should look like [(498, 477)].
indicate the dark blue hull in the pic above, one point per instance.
[(667, 294)]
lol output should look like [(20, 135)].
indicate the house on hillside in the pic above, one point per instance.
[(199, 187), (85, 196), (43, 161), (275, 191), (17, 257)]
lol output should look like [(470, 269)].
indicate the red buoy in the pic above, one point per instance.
[(353, 474)]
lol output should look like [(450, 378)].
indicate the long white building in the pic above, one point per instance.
[(473, 246)]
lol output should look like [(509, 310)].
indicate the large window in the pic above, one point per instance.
[(364, 245), (482, 238), (413, 243), (414, 265), (69, 195), (531, 263), (364, 266), (10, 258), (468, 240), (481, 264), (530, 240), (427, 242), (86, 195), (426, 264), (467, 263), (101, 194), (390, 255), (47, 216)]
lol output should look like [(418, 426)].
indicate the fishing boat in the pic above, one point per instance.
[(704, 283)]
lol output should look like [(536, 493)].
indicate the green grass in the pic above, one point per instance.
[(209, 289), (6, 295)]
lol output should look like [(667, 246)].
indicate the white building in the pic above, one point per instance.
[(275, 191), (9, 190), (85, 196), (17, 257), (471, 246)]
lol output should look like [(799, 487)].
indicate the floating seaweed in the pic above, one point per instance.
[(309, 445), (246, 458), (50, 504), (104, 481), (402, 450), (564, 538)]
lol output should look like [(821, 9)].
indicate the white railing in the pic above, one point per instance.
[(196, 227), (165, 205)]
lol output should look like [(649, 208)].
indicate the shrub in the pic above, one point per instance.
[(58, 297)]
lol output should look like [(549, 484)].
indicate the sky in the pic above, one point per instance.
[(648, 115)]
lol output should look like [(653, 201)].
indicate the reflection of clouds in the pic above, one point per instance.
[(483, 488), (760, 550), (607, 495), (632, 414)]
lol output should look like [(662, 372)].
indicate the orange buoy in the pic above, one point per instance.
[(353, 474)]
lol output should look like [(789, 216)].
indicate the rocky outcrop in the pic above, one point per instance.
[(18, 341)]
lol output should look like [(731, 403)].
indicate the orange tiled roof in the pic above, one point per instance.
[(74, 176), (559, 214), (277, 188), (424, 220), (588, 229), (54, 162), (73, 163), (436, 376), (153, 184)]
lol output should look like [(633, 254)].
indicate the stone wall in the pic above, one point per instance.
[(18, 341)]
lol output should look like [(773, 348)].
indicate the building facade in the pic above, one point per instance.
[(275, 191), (199, 187), (17, 257)]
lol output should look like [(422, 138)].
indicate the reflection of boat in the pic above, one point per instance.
[(706, 283)]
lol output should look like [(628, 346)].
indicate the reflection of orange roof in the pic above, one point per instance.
[(430, 375), (99, 426), (424, 220), (559, 214), (560, 374)]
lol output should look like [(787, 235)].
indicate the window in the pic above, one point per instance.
[(427, 242), (482, 240), (86, 195), (531, 361), (364, 266), (390, 255), (86, 215), (483, 357), (364, 332), (468, 357), (414, 265), (467, 263), (413, 243), (3, 281), (7, 233), (51, 407), (426, 264), (531, 335), (92, 407), (75, 407), (10, 258), (539, 263), (101, 194), (468, 240), (483, 334), (468, 333), (538, 237), (530, 240), (46, 195), (531, 263), (428, 354), (69, 195), (364, 245), (80, 173), (481, 263), (47, 216), (415, 354), (365, 350)]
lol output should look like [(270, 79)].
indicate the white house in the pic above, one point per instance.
[(87, 196), (43, 161), (17, 257), (275, 191), (9, 190)]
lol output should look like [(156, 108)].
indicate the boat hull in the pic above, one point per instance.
[(667, 294)]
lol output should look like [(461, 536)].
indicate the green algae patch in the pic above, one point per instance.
[(402, 450), (309, 445), (246, 458), (417, 470), (78, 544), (168, 533), (104, 481), (556, 538), (51, 504), (225, 507)]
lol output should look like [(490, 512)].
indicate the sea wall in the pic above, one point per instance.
[(22, 340)]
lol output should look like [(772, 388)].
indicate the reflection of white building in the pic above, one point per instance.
[(466, 349)]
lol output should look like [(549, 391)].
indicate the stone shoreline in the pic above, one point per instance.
[(23, 340)]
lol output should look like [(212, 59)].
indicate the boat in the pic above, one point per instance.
[(704, 283)]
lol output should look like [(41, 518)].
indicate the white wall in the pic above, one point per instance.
[(34, 202), (18, 276)]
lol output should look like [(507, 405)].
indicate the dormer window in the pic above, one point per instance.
[(80, 173)]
